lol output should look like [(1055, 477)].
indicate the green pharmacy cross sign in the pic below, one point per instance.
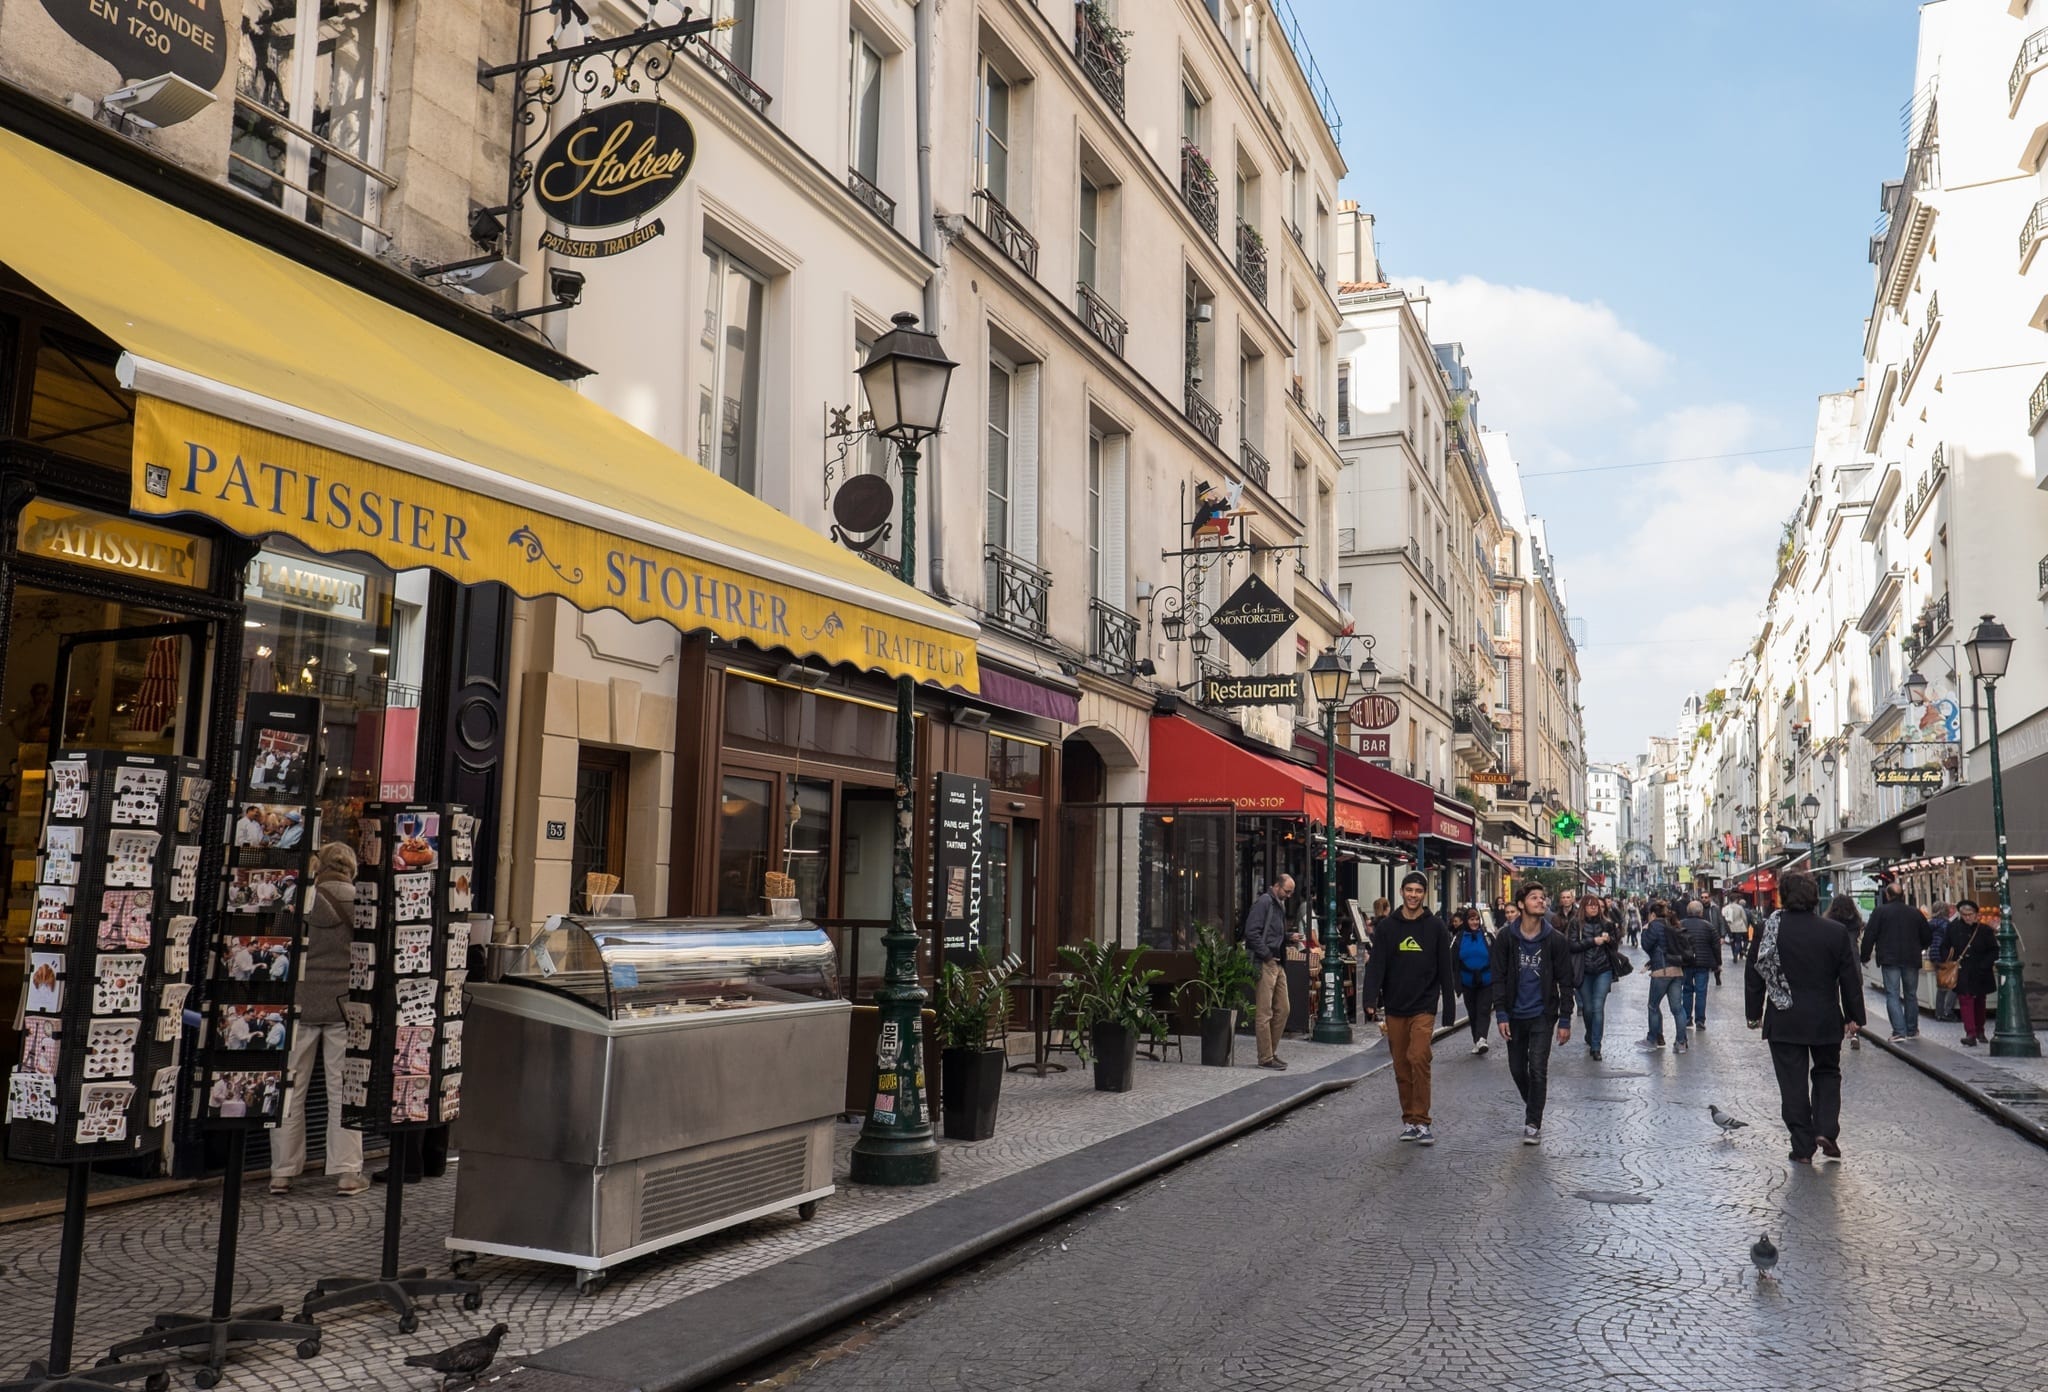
[(1567, 826)]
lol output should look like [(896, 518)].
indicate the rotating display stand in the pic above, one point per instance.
[(403, 1070)]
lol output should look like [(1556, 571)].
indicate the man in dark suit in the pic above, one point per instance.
[(1802, 987)]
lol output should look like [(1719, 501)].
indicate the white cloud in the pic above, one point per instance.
[(1667, 566)]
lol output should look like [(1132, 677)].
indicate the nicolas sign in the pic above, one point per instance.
[(1253, 618), (614, 164)]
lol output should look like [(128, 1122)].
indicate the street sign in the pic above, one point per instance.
[(1375, 712), (1252, 691), (1371, 746), (1535, 862), (1253, 618), (1908, 777), (1498, 780)]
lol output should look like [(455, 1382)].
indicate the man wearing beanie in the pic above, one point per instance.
[(1409, 975)]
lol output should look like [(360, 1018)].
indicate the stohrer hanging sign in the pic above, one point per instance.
[(611, 166), (149, 38)]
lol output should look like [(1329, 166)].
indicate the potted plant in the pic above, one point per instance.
[(1107, 1004), (973, 1014), (1222, 983)]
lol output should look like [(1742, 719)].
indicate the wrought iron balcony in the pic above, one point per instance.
[(2032, 50), (732, 75), (1000, 225), (2031, 233), (2041, 574), (1113, 643), (1256, 467), (1099, 48), (1202, 411), (1468, 718), (887, 564), (876, 201), (2037, 405), (1102, 321), (1198, 187), (1017, 592), (1298, 392), (1251, 258), (1928, 325)]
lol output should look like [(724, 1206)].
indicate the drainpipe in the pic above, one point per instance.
[(928, 239)]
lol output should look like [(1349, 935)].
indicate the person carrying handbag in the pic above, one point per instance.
[(1969, 965)]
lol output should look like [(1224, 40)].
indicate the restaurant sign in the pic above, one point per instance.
[(1375, 712), (960, 865), (149, 38), (1376, 746), (1252, 691), (610, 166), (1253, 618), (1918, 778)]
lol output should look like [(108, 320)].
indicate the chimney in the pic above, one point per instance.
[(1357, 259)]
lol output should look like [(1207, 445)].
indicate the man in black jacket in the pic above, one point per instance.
[(1267, 937), (1409, 973), (1802, 988), (1702, 958), (1899, 934), (1533, 981)]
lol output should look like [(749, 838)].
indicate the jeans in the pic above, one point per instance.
[(1479, 1010), (1810, 1108), (1902, 998), (1660, 987), (1529, 1063), (1696, 979), (1593, 1004), (1408, 1040)]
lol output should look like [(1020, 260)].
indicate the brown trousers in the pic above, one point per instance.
[(1410, 1039), (1270, 1019)]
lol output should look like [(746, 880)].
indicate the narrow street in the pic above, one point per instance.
[(1322, 1253)]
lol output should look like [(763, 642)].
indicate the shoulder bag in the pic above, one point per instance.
[(1946, 974)]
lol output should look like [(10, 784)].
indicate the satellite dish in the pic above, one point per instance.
[(861, 510)]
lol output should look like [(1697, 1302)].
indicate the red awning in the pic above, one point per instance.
[(1760, 882), (1190, 765), (1425, 811)]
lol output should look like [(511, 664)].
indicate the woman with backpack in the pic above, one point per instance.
[(1473, 952), (1591, 935), (1845, 911)]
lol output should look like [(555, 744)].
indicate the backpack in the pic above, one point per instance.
[(1475, 955), (1688, 951)]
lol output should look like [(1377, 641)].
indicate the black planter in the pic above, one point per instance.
[(1219, 1037), (971, 1083), (1116, 1057)]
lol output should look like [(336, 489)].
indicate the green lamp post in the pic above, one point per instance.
[(905, 380), (1329, 679), (1990, 650)]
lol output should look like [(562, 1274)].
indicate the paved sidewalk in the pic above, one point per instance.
[(2015, 1090), (157, 1255)]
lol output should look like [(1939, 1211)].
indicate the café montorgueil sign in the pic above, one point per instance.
[(1253, 619), (610, 166)]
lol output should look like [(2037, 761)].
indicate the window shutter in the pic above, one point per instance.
[(1115, 588), (1024, 466)]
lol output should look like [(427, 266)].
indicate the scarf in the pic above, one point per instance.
[(1769, 967)]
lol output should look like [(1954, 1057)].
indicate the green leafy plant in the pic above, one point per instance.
[(972, 1007), (1106, 990), (1223, 976), (1112, 37)]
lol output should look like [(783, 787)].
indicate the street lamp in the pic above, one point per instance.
[(1329, 679), (1810, 805), (1989, 647), (1915, 687), (1199, 643), (905, 379)]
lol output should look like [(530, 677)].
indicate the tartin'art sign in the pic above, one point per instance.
[(611, 166)]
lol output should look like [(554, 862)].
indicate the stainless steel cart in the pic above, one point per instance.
[(635, 1083)]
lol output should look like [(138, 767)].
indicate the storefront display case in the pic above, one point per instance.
[(635, 1083)]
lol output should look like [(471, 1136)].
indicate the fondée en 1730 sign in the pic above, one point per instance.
[(611, 166), (149, 38)]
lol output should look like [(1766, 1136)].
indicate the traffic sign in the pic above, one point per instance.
[(1535, 862)]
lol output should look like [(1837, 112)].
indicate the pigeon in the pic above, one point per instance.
[(466, 1361), (1763, 1256), (1728, 1124)]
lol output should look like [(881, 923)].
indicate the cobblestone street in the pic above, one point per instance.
[(1320, 1252)]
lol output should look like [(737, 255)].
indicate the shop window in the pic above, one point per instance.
[(729, 368), (809, 848), (597, 857), (783, 721), (308, 120), (76, 407), (1016, 766), (745, 832)]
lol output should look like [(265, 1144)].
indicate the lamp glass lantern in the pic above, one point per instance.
[(1174, 626), (1328, 678), (905, 379), (1827, 763), (1369, 674), (1990, 649), (1915, 686), (1199, 643)]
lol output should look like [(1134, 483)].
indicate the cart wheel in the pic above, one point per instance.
[(591, 1282), (473, 1300), (408, 1322), (206, 1377), (807, 1210), (157, 1382), (462, 1264), (309, 1348)]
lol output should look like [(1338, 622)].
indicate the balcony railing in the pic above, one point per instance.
[(888, 564), (1198, 187), (1923, 170), (2037, 405), (1299, 392), (1928, 325), (1467, 718), (1001, 227), (2032, 50), (2031, 232), (1202, 411), (1929, 485), (1114, 642), (2041, 574), (876, 201), (1102, 321), (1016, 592), (1100, 51), (1294, 231), (1251, 258), (1256, 466), (732, 75)]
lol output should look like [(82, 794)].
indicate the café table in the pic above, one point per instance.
[(1039, 995)]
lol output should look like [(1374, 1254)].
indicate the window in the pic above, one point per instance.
[(1016, 766), (864, 108), (1343, 398), (992, 132), (1001, 382), (1108, 456), (314, 67), (1344, 598), (1500, 614), (729, 368), (1191, 103), (602, 779), (737, 41), (1095, 576), (1091, 232)]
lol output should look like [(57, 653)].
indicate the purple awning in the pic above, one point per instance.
[(999, 688)]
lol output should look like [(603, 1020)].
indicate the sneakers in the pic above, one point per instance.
[(1480, 1047), (1424, 1136), (1699, 1027), (352, 1184), (280, 1184), (1681, 1047), (1411, 1133), (1649, 1043), (1276, 1064), (1532, 1135), (1900, 1038), (1595, 1053)]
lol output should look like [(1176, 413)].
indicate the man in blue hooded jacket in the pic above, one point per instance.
[(1533, 987)]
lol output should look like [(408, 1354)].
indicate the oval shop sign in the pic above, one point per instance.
[(148, 38), (614, 164)]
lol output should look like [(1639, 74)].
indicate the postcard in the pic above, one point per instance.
[(117, 984), (32, 1097), (103, 1112), (45, 983), (110, 1048)]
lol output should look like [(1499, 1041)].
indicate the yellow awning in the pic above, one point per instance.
[(278, 401)]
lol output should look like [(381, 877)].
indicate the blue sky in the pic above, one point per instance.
[(1647, 224)]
